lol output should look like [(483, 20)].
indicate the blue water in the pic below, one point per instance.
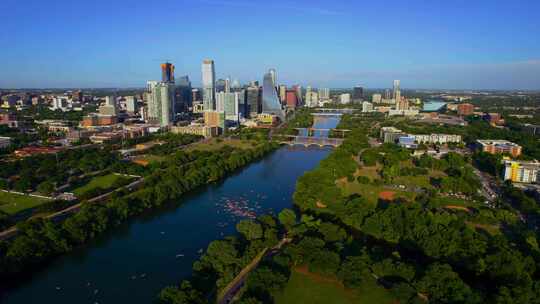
[(133, 262), (321, 125)]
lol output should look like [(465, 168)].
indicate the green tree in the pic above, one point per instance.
[(250, 229), (287, 218)]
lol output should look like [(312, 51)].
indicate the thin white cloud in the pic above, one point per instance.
[(303, 9)]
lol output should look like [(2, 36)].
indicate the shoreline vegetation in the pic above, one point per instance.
[(41, 240), (415, 249)]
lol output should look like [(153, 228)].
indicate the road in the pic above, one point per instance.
[(231, 290), (11, 232)]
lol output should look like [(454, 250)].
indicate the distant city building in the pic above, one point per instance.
[(312, 99), (391, 134), (376, 98), (131, 104), (367, 107), (208, 83), (291, 99), (200, 130), (465, 109), (345, 98), (110, 107), (283, 94), (229, 103), (358, 93), (270, 100), (161, 104), (298, 89), (215, 119), (324, 93), (387, 94), (196, 95), (397, 91), (167, 72), (493, 118), (436, 138), (220, 85), (183, 93), (253, 101), (402, 104), (273, 75), (500, 147), (521, 172)]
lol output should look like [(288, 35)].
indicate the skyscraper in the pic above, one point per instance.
[(183, 93), (274, 76), (208, 83), (167, 72), (282, 93), (270, 100), (220, 85), (324, 93), (358, 93), (253, 101), (397, 91), (161, 103)]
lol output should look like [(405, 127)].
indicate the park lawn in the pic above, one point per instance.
[(315, 289), (12, 203), (218, 143), (371, 172), (370, 192), (104, 182), (421, 181), (442, 201)]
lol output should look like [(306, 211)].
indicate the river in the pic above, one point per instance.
[(131, 263)]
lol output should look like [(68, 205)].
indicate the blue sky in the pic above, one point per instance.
[(461, 44)]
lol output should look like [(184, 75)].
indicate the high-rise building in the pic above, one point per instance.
[(228, 103), (183, 93), (345, 98), (283, 93), (402, 104), (376, 98), (253, 101), (397, 91), (367, 107), (298, 89), (167, 72), (270, 100), (110, 107), (161, 104), (208, 83), (227, 85), (387, 94), (274, 77), (131, 104), (324, 93), (358, 93), (220, 85), (291, 98)]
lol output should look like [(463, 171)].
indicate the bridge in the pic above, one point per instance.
[(312, 141), (313, 131), (328, 111)]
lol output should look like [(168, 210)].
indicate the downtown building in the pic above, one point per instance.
[(270, 100), (161, 103), (208, 85)]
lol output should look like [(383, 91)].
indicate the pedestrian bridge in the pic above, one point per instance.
[(312, 141)]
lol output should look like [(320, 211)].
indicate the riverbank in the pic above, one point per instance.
[(164, 242), (42, 239)]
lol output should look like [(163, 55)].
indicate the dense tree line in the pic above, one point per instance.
[(39, 240), (456, 262)]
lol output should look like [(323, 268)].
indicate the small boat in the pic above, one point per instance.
[(58, 288), (143, 275), (179, 255)]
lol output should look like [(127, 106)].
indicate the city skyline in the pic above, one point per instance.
[(454, 46)]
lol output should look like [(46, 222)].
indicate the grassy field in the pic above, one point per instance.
[(217, 143), (442, 201), (314, 289), (12, 203), (371, 192), (104, 182)]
